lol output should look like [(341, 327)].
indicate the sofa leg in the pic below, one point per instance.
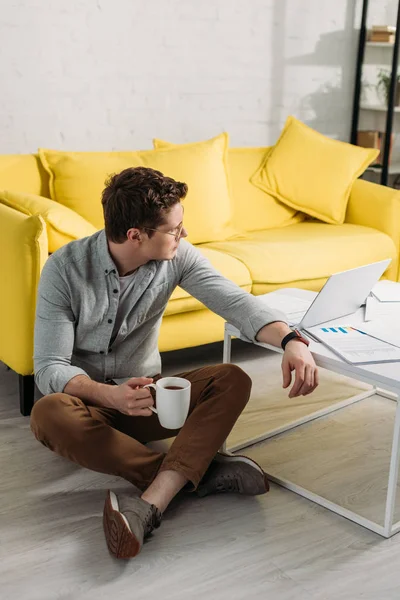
[(26, 394)]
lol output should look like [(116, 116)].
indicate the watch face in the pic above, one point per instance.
[(301, 337)]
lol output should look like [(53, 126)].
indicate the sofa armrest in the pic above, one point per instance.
[(63, 224), (378, 207), (23, 252)]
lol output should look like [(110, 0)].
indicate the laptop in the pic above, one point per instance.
[(342, 294)]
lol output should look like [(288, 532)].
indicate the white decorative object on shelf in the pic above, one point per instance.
[(378, 107), (380, 44), (393, 169)]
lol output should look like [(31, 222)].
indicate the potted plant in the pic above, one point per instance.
[(383, 86)]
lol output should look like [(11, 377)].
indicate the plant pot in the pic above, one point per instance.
[(396, 97)]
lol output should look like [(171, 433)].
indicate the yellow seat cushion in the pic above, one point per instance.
[(203, 166), (228, 266), (190, 329), (77, 179), (23, 173), (253, 208), (306, 251), (63, 225), (311, 172)]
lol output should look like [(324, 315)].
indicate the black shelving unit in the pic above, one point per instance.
[(392, 89)]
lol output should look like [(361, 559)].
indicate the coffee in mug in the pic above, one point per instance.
[(172, 401), (173, 387)]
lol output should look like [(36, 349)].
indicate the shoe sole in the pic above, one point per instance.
[(221, 458), (121, 542)]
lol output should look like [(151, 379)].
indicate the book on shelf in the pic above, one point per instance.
[(375, 139), (383, 38), (384, 28)]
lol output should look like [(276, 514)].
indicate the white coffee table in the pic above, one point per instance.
[(385, 379)]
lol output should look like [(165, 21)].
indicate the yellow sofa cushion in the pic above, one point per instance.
[(23, 173), (253, 208), (306, 251), (77, 179), (311, 172), (203, 166), (63, 225), (227, 265)]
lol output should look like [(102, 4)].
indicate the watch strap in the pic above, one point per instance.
[(293, 335)]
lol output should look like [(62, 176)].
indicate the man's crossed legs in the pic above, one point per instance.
[(105, 440)]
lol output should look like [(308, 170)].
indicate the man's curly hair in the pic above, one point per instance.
[(138, 197)]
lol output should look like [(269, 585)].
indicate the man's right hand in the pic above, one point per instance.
[(130, 398)]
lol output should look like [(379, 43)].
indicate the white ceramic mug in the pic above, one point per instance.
[(172, 404)]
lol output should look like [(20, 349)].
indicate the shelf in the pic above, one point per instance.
[(377, 107), (380, 44), (372, 107), (393, 169)]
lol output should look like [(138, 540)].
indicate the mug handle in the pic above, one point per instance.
[(151, 385)]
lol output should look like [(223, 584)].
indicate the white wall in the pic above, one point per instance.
[(111, 74)]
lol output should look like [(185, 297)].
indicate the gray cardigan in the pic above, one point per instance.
[(78, 300)]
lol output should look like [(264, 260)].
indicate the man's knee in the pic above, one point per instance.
[(45, 412), (235, 376)]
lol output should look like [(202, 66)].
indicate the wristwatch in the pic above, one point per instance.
[(294, 335)]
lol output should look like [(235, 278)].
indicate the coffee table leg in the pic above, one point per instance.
[(226, 359), (393, 475), (227, 348)]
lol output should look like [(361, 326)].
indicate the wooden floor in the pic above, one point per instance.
[(278, 546)]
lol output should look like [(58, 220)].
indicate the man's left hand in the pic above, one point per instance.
[(298, 358)]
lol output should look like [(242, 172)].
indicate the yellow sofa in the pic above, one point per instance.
[(291, 250)]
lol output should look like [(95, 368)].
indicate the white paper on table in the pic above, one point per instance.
[(386, 291), (377, 310), (386, 329), (294, 308), (354, 346)]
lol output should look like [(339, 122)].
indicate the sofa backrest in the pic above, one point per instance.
[(23, 173), (252, 209)]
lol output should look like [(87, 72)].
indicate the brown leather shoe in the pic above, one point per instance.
[(127, 521), (235, 474)]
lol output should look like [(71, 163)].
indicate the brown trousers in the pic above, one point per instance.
[(105, 440)]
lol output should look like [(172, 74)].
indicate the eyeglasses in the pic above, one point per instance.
[(176, 235)]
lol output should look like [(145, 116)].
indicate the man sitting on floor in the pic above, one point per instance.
[(99, 309)]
